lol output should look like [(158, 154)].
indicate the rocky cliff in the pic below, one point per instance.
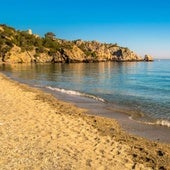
[(25, 47)]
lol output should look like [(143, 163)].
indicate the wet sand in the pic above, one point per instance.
[(37, 131), (144, 129)]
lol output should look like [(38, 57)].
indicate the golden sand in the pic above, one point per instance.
[(37, 131)]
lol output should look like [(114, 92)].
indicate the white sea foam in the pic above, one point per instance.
[(163, 122), (160, 122), (76, 93)]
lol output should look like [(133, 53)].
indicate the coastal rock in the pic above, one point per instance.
[(124, 54), (43, 58), (23, 47), (15, 55), (107, 52), (148, 58), (73, 54), (58, 58)]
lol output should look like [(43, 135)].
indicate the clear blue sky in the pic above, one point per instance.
[(143, 26)]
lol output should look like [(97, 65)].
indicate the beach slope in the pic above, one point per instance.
[(37, 131)]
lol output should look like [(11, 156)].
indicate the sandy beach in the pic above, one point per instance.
[(37, 131)]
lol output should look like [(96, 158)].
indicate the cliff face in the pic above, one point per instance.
[(23, 47), (14, 55)]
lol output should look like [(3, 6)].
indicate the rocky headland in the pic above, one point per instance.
[(24, 47)]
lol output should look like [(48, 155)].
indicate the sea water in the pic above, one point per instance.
[(138, 88)]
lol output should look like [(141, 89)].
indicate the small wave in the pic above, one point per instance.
[(160, 122), (163, 123), (76, 93)]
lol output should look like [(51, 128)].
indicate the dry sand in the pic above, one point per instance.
[(37, 131)]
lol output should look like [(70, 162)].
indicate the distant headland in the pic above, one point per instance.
[(25, 47)]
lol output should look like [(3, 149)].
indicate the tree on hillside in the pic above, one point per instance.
[(50, 35)]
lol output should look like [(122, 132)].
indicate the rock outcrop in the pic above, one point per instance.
[(16, 56), (148, 58), (22, 47)]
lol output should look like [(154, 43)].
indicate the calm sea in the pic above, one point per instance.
[(139, 88)]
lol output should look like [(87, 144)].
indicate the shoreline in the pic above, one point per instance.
[(40, 131), (154, 132), (146, 128)]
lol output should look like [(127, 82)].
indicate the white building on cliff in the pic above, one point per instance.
[(30, 31)]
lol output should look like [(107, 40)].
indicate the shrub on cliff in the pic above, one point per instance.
[(8, 31), (24, 40), (51, 44), (5, 40), (50, 35)]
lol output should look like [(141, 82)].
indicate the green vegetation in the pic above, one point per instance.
[(27, 42), (85, 49), (6, 44), (52, 47), (50, 35), (49, 44)]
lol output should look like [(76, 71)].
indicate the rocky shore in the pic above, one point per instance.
[(37, 131), (26, 47)]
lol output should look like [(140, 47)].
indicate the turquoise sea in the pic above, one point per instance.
[(141, 89)]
